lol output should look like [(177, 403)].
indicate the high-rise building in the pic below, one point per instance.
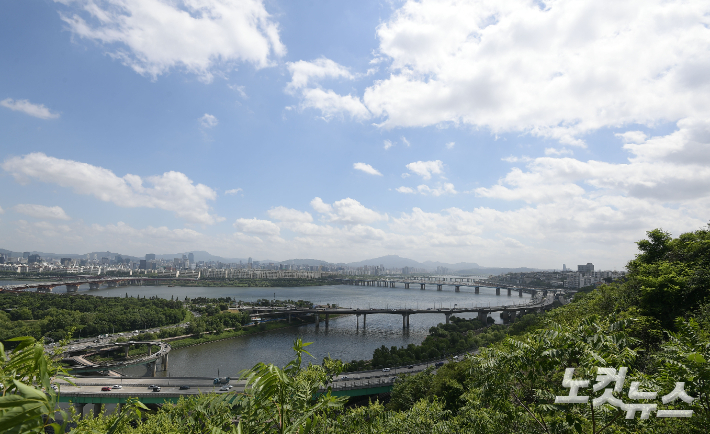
[(26, 255), (33, 259), (564, 267), (191, 258), (150, 256), (65, 261), (586, 269), (143, 264)]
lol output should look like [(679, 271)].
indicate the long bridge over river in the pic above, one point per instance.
[(95, 282)]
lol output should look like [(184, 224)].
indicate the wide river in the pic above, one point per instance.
[(342, 339)]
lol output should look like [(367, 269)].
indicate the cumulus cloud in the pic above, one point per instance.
[(304, 73), (446, 188), (366, 168), (331, 104), (388, 144), (208, 121), (405, 190), (426, 169), (42, 212), (154, 36), (450, 145), (555, 151), (290, 215), (26, 107), (257, 227), (233, 191), (518, 67), (346, 211), (171, 191)]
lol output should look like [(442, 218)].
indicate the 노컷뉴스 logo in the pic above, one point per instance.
[(605, 376)]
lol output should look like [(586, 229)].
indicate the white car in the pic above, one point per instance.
[(385, 369), (224, 389), (117, 386)]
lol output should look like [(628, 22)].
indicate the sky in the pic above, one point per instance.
[(517, 133)]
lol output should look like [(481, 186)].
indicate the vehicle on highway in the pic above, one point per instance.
[(117, 386), (55, 388), (152, 386), (410, 367), (156, 389), (184, 387), (105, 389), (439, 364), (344, 377), (224, 389), (385, 369)]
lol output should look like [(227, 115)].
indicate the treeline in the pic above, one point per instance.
[(444, 340), (53, 315)]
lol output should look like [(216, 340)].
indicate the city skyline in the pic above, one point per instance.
[(523, 134)]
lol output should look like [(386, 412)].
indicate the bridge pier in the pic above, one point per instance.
[(544, 292), (520, 292), (153, 367), (72, 287), (128, 347), (327, 319), (478, 290), (406, 286), (364, 320), (405, 320), (483, 317), (509, 292), (534, 292), (317, 320), (93, 286), (97, 410), (422, 286), (448, 318), (150, 350), (439, 287), (79, 408), (357, 321), (165, 362), (111, 284), (458, 288), (497, 291), (289, 318)]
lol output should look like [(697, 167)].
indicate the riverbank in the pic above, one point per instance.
[(248, 283)]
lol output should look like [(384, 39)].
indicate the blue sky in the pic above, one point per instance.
[(516, 134)]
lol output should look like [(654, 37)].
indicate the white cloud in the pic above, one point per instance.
[(239, 90), (171, 191), (450, 145), (388, 144), (633, 136), (405, 141), (331, 104), (305, 73), (41, 211), (154, 36), (446, 188), (367, 169), (562, 151), (405, 190), (426, 169), (26, 107), (208, 121), (257, 227), (1, 210), (347, 211), (290, 215), (517, 66), (233, 191), (320, 206)]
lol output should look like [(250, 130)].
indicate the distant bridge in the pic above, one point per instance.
[(78, 357), (95, 283), (507, 313), (440, 282)]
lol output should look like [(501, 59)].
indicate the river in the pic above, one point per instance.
[(342, 339)]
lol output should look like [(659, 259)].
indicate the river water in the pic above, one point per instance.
[(342, 339)]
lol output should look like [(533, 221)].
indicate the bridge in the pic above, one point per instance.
[(80, 363), (508, 313), (440, 282), (94, 283), (87, 390)]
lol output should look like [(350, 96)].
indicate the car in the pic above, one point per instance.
[(117, 386), (344, 377), (224, 389), (105, 389), (55, 388), (156, 389), (152, 386), (439, 364), (410, 367), (385, 369), (184, 387)]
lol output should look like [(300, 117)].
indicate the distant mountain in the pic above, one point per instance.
[(300, 262), (394, 261)]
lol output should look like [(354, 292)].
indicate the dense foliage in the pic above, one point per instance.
[(52, 315)]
